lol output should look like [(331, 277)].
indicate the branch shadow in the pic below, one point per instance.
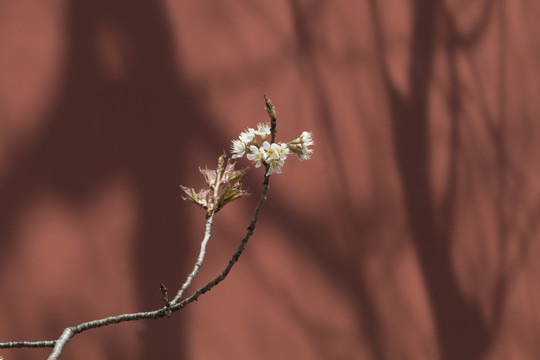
[(123, 108), (462, 331)]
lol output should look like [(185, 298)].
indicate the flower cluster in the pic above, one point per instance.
[(272, 155), (301, 146)]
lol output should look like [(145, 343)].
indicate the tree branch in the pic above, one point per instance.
[(200, 259), (176, 304), (69, 332), (235, 256)]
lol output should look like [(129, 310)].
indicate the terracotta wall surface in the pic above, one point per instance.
[(412, 233)]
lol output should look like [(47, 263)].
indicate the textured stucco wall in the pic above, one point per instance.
[(411, 234)]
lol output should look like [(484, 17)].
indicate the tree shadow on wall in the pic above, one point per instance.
[(343, 272), (461, 329), (122, 109)]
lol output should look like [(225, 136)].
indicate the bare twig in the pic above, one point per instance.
[(165, 298), (198, 264), (271, 111), (27, 344)]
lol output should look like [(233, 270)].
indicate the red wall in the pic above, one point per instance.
[(411, 234)]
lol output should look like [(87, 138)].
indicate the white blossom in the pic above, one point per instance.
[(301, 145), (272, 155), (305, 153), (277, 152), (248, 135), (258, 155), (306, 138), (238, 148), (275, 157), (263, 129)]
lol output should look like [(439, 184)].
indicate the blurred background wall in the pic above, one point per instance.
[(411, 234)]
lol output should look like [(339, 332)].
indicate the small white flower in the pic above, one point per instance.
[(275, 157), (275, 167), (305, 152), (238, 148), (305, 156), (300, 146), (277, 152), (258, 155), (306, 138), (263, 129), (248, 135)]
